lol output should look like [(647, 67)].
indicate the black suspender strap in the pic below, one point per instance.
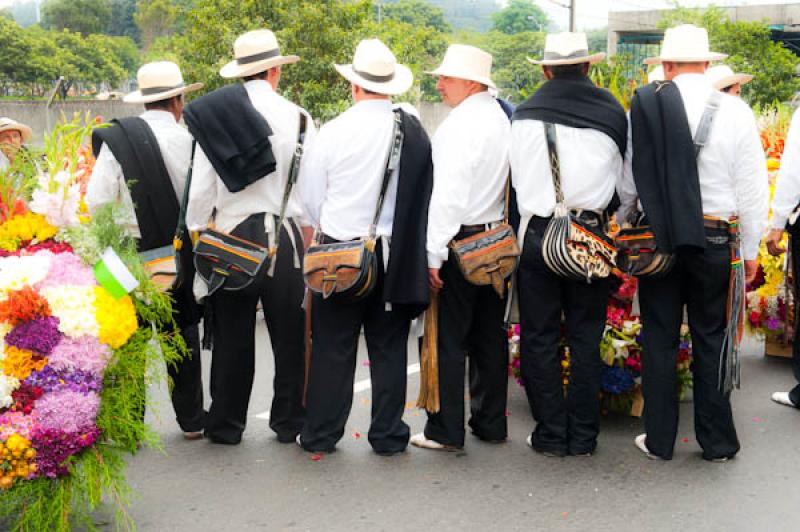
[(291, 180), (392, 162)]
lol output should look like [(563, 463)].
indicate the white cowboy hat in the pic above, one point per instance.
[(722, 76), (159, 81), (657, 74), (686, 43), (466, 62), (567, 48), (376, 69), (254, 52), (7, 124)]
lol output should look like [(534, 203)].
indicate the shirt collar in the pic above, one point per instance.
[(158, 115), (373, 105), (258, 85)]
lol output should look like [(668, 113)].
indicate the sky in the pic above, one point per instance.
[(594, 13)]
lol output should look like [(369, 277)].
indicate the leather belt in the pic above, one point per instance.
[(475, 228), (712, 222)]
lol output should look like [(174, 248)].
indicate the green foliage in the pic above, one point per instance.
[(612, 75), (81, 16), (520, 16), (122, 23), (416, 13), (750, 50), (24, 12), (598, 40), (155, 19)]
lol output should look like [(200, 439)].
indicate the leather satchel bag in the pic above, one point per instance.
[(348, 270), (570, 247), (637, 251), (231, 262), (489, 257)]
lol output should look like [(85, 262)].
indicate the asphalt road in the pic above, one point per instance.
[(264, 485)]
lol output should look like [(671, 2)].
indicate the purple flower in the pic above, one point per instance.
[(51, 379), (54, 447), (773, 324), (67, 410), (40, 335), (85, 353)]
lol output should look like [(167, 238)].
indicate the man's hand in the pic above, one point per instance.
[(750, 270), (434, 279), (774, 242), (308, 232)]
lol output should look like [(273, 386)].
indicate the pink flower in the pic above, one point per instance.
[(84, 353), (67, 411), (66, 269)]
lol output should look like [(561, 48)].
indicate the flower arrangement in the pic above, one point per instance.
[(73, 358)]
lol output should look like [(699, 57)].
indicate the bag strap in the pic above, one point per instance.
[(392, 161), (294, 171), (507, 202), (181, 227), (555, 165), (706, 121)]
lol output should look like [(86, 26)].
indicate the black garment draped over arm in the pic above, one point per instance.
[(233, 134), (406, 284), (665, 167)]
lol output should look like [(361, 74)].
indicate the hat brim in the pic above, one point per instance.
[(235, 70), (591, 59), (463, 75), (711, 56), (24, 130), (727, 81), (400, 83), (138, 97)]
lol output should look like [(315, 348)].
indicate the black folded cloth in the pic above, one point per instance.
[(233, 134)]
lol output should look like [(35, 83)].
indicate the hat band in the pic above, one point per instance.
[(269, 54), (555, 56), (374, 77), (149, 91)]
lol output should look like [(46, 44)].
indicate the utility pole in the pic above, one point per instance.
[(572, 9)]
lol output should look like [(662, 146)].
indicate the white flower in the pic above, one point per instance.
[(74, 308), (7, 386), (16, 272), (57, 199)]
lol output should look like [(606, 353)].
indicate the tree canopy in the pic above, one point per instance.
[(519, 16), (416, 13), (81, 16)]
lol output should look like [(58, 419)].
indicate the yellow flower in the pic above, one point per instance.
[(22, 228), (116, 318), (19, 363)]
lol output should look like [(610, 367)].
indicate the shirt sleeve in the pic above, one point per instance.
[(202, 192), (308, 145), (626, 186), (787, 188), (104, 183), (313, 180), (453, 173), (751, 185)]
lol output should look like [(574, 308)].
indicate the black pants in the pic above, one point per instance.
[(233, 355), (470, 322), (700, 281), (335, 330), (565, 423), (794, 394), (187, 384)]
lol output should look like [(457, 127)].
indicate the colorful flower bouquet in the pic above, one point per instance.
[(621, 352), (73, 354)]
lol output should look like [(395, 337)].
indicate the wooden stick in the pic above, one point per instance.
[(429, 360)]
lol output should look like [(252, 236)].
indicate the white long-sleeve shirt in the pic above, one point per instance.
[(342, 173), (470, 169), (107, 183), (590, 168), (787, 188), (208, 192), (731, 166)]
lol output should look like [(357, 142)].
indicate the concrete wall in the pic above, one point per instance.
[(35, 115)]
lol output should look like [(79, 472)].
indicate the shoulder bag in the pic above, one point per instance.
[(570, 247), (347, 270), (232, 263)]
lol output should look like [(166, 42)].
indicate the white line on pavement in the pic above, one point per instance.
[(358, 387)]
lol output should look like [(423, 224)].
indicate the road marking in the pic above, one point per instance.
[(360, 386)]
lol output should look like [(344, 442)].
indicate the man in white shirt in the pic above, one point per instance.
[(340, 184), (470, 169), (690, 218), (252, 213), (157, 190), (591, 129), (784, 204)]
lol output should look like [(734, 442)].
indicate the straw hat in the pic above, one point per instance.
[(7, 124), (466, 62), (722, 76), (159, 81), (686, 43), (657, 74), (254, 52), (376, 69), (567, 48)]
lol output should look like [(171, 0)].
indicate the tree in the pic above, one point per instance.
[(417, 13), (82, 16), (750, 49), (598, 40), (155, 18), (519, 16), (24, 13), (122, 23)]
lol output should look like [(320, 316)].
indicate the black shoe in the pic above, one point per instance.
[(489, 440), (314, 451), (223, 441), (287, 438), (388, 453)]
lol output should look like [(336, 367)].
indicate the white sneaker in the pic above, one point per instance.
[(419, 440), (782, 398), (642, 446)]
